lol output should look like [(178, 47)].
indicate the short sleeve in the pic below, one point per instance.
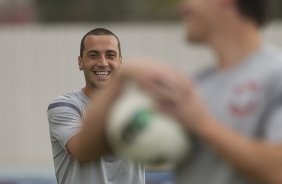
[(273, 130), (64, 122), (273, 111)]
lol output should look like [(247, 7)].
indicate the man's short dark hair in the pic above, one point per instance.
[(98, 31), (257, 10)]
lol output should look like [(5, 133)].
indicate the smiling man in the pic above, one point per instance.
[(77, 126)]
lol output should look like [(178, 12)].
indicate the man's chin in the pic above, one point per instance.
[(195, 39), (98, 84), (194, 36), (101, 84)]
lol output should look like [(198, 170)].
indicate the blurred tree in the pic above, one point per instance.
[(113, 10), (277, 9), (106, 10)]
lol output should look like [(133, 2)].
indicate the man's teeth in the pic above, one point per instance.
[(102, 73)]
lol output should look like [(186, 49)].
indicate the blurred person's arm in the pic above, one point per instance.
[(258, 160), (91, 143)]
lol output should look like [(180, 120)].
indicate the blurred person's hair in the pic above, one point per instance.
[(98, 32), (257, 10)]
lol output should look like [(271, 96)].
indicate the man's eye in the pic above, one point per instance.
[(93, 56), (111, 56)]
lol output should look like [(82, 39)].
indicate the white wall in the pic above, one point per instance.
[(38, 62)]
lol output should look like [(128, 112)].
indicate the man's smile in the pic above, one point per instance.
[(102, 75)]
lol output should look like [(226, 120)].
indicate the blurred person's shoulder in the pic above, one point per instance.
[(265, 62), (263, 68), (268, 63), (270, 57)]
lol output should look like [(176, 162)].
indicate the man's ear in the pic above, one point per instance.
[(120, 58), (80, 64)]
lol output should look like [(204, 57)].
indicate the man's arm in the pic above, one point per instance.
[(91, 143)]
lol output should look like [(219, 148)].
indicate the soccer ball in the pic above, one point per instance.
[(138, 132)]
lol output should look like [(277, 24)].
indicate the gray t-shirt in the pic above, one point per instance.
[(64, 115), (247, 99)]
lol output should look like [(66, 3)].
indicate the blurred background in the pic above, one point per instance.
[(39, 45)]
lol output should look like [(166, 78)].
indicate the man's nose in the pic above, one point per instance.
[(103, 61)]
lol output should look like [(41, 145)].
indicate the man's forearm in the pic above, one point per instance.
[(257, 160)]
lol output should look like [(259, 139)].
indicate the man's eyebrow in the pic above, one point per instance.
[(111, 51)]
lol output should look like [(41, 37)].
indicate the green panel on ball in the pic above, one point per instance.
[(137, 124)]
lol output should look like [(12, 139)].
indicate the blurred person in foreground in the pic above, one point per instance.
[(77, 129), (235, 108)]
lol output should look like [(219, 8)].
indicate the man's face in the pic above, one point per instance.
[(100, 60), (201, 17)]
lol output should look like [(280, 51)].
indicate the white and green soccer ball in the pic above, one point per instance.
[(138, 132)]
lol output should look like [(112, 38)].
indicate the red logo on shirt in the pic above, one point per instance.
[(244, 99)]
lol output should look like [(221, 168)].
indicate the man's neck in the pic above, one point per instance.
[(88, 91), (232, 47)]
